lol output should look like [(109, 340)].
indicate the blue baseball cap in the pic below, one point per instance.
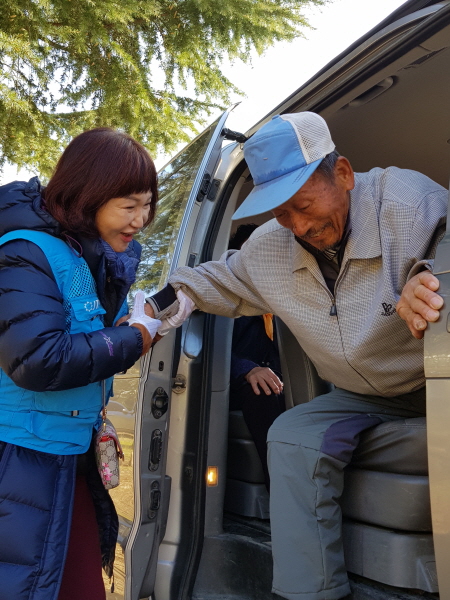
[(282, 156)]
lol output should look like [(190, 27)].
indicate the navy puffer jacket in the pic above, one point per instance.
[(37, 488), (34, 350)]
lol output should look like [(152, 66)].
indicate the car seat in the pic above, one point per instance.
[(386, 506), (246, 493)]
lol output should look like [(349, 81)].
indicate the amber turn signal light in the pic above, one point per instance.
[(212, 476)]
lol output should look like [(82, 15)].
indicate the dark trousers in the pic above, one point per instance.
[(82, 576), (259, 414)]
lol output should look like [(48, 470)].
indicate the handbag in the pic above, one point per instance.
[(108, 450)]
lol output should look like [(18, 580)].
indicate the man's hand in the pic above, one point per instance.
[(149, 310), (266, 379), (185, 308), (419, 303)]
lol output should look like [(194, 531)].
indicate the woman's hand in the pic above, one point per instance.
[(147, 340), (123, 319), (146, 325), (266, 379)]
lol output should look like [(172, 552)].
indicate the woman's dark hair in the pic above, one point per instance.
[(96, 166)]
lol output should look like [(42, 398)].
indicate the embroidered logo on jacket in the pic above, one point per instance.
[(109, 343), (388, 309)]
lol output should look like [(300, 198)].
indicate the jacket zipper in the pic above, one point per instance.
[(333, 309), (333, 312)]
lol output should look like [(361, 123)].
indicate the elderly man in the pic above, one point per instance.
[(332, 266)]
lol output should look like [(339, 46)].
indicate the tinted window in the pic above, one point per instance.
[(159, 239)]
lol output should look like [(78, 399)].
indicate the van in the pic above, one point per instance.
[(194, 521)]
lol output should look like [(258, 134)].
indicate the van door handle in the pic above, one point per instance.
[(374, 91), (193, 338)]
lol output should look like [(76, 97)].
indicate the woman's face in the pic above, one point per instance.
[(120, 219)]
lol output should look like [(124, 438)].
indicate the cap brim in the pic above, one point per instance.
[(269, 195)]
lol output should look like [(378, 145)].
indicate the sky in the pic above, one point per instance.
[(273, 76)]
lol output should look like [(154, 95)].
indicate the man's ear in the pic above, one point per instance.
[(344, 174)]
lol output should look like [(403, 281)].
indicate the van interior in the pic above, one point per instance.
[(397, 115)]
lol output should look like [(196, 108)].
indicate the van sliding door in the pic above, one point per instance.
[(141, 406)]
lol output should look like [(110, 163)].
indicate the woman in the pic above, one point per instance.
[(67, 261)]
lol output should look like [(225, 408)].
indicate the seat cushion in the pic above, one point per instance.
[(404, 560), (387, 483), (394, 447), (247, 499), (243, 462), (389, 500), (237, 428)]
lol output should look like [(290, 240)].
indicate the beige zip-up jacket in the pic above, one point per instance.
[(396, 217)]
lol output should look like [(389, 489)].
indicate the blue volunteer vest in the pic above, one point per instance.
[(57, 422)]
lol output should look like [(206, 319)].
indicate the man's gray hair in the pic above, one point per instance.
[(326, 167)]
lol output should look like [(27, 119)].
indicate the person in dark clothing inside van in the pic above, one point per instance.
[(332, 265), (256, 387)]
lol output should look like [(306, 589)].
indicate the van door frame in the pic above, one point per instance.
[(152, 485)]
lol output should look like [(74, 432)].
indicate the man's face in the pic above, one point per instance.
[(317, 213)]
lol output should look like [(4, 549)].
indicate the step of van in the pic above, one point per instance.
[(237, 565)]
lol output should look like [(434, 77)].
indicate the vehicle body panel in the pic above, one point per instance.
[(362, 90), (141, 409)]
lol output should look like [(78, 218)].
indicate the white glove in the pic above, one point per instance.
[(184, 311), (138, 315)]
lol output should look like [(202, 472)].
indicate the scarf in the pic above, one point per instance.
[(122, 266), (268, 325)]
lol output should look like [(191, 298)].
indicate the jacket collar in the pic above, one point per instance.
[(21, 207), (92, 253), (364, 239)]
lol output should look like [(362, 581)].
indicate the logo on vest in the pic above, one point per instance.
[(90, 306), (388, 309)]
